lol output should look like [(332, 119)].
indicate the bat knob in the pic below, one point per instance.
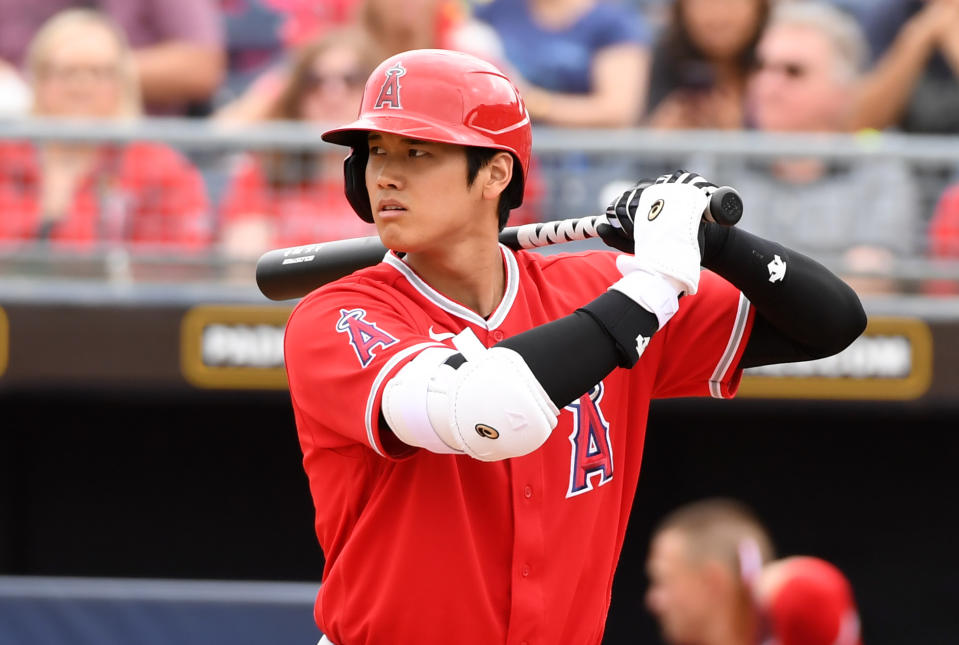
[(725, 206)]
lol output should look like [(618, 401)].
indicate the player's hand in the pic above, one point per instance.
[(662, 218), (617, 233)]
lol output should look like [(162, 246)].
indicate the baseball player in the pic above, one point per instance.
[(472, 418), (712, 582)]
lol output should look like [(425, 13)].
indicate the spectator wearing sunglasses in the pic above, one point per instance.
[(701, 64), (861, 213), (286, 198)]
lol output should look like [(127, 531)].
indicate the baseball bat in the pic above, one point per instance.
[(293, 272)]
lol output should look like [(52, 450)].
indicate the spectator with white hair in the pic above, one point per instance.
[(78, 195), (176, 45), (862, 213)]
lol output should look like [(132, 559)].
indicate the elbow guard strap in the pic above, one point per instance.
[(406, 402)]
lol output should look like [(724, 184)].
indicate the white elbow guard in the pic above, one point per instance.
[(491, 407), (406, 401)]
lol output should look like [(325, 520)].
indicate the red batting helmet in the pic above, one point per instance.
[(436, 95)]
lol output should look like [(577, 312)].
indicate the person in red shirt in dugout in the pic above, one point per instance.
[(471, 417), (713, 581), (78, 195)]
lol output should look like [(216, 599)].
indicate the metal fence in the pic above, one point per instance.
[(146, 214)]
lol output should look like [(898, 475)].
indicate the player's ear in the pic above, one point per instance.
[(718, 578), (500, 171)]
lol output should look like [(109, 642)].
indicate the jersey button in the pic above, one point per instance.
[(528, 492), (497, 335), (525, 571)]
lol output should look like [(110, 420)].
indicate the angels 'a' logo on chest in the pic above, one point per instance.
[(591, 453), (364, 336)]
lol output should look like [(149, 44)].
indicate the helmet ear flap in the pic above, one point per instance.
[(354, 174)]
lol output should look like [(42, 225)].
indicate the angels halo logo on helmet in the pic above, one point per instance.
[(389, 96), (445, 96)]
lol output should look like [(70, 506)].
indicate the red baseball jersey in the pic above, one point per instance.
[(429, 548)]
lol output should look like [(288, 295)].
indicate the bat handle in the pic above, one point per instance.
[(725, 207)]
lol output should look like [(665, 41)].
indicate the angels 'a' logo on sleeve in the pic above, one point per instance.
[(389, 96), (364, 336)]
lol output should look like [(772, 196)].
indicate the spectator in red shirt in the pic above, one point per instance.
[(944, 227), (78, 194), (287, 198), (943, 239), (401, 25)]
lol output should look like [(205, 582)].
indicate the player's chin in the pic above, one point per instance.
[(395, 237)]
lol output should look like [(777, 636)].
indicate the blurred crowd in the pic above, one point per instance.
[(767, 65)]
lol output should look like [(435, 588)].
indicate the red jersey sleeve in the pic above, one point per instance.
[(703, 342), (342, 345), (813, 606)]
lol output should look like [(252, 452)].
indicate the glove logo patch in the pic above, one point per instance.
[(655, 209), (489, 432)]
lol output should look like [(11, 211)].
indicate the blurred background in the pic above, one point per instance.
[(150, 481)]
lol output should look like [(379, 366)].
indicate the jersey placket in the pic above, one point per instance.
[(528, 597), (527, 593)]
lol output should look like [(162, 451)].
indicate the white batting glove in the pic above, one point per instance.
[(663, 220)]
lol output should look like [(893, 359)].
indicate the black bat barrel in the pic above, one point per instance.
[(282, 274)]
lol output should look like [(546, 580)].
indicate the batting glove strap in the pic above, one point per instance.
[(629, 324), (654, 292)]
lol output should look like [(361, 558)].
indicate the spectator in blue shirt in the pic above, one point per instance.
[(577, 64)]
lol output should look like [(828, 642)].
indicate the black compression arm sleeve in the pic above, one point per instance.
[(572, 354), (808, 313)]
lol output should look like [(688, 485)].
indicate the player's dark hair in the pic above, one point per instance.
[(477, 158)]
